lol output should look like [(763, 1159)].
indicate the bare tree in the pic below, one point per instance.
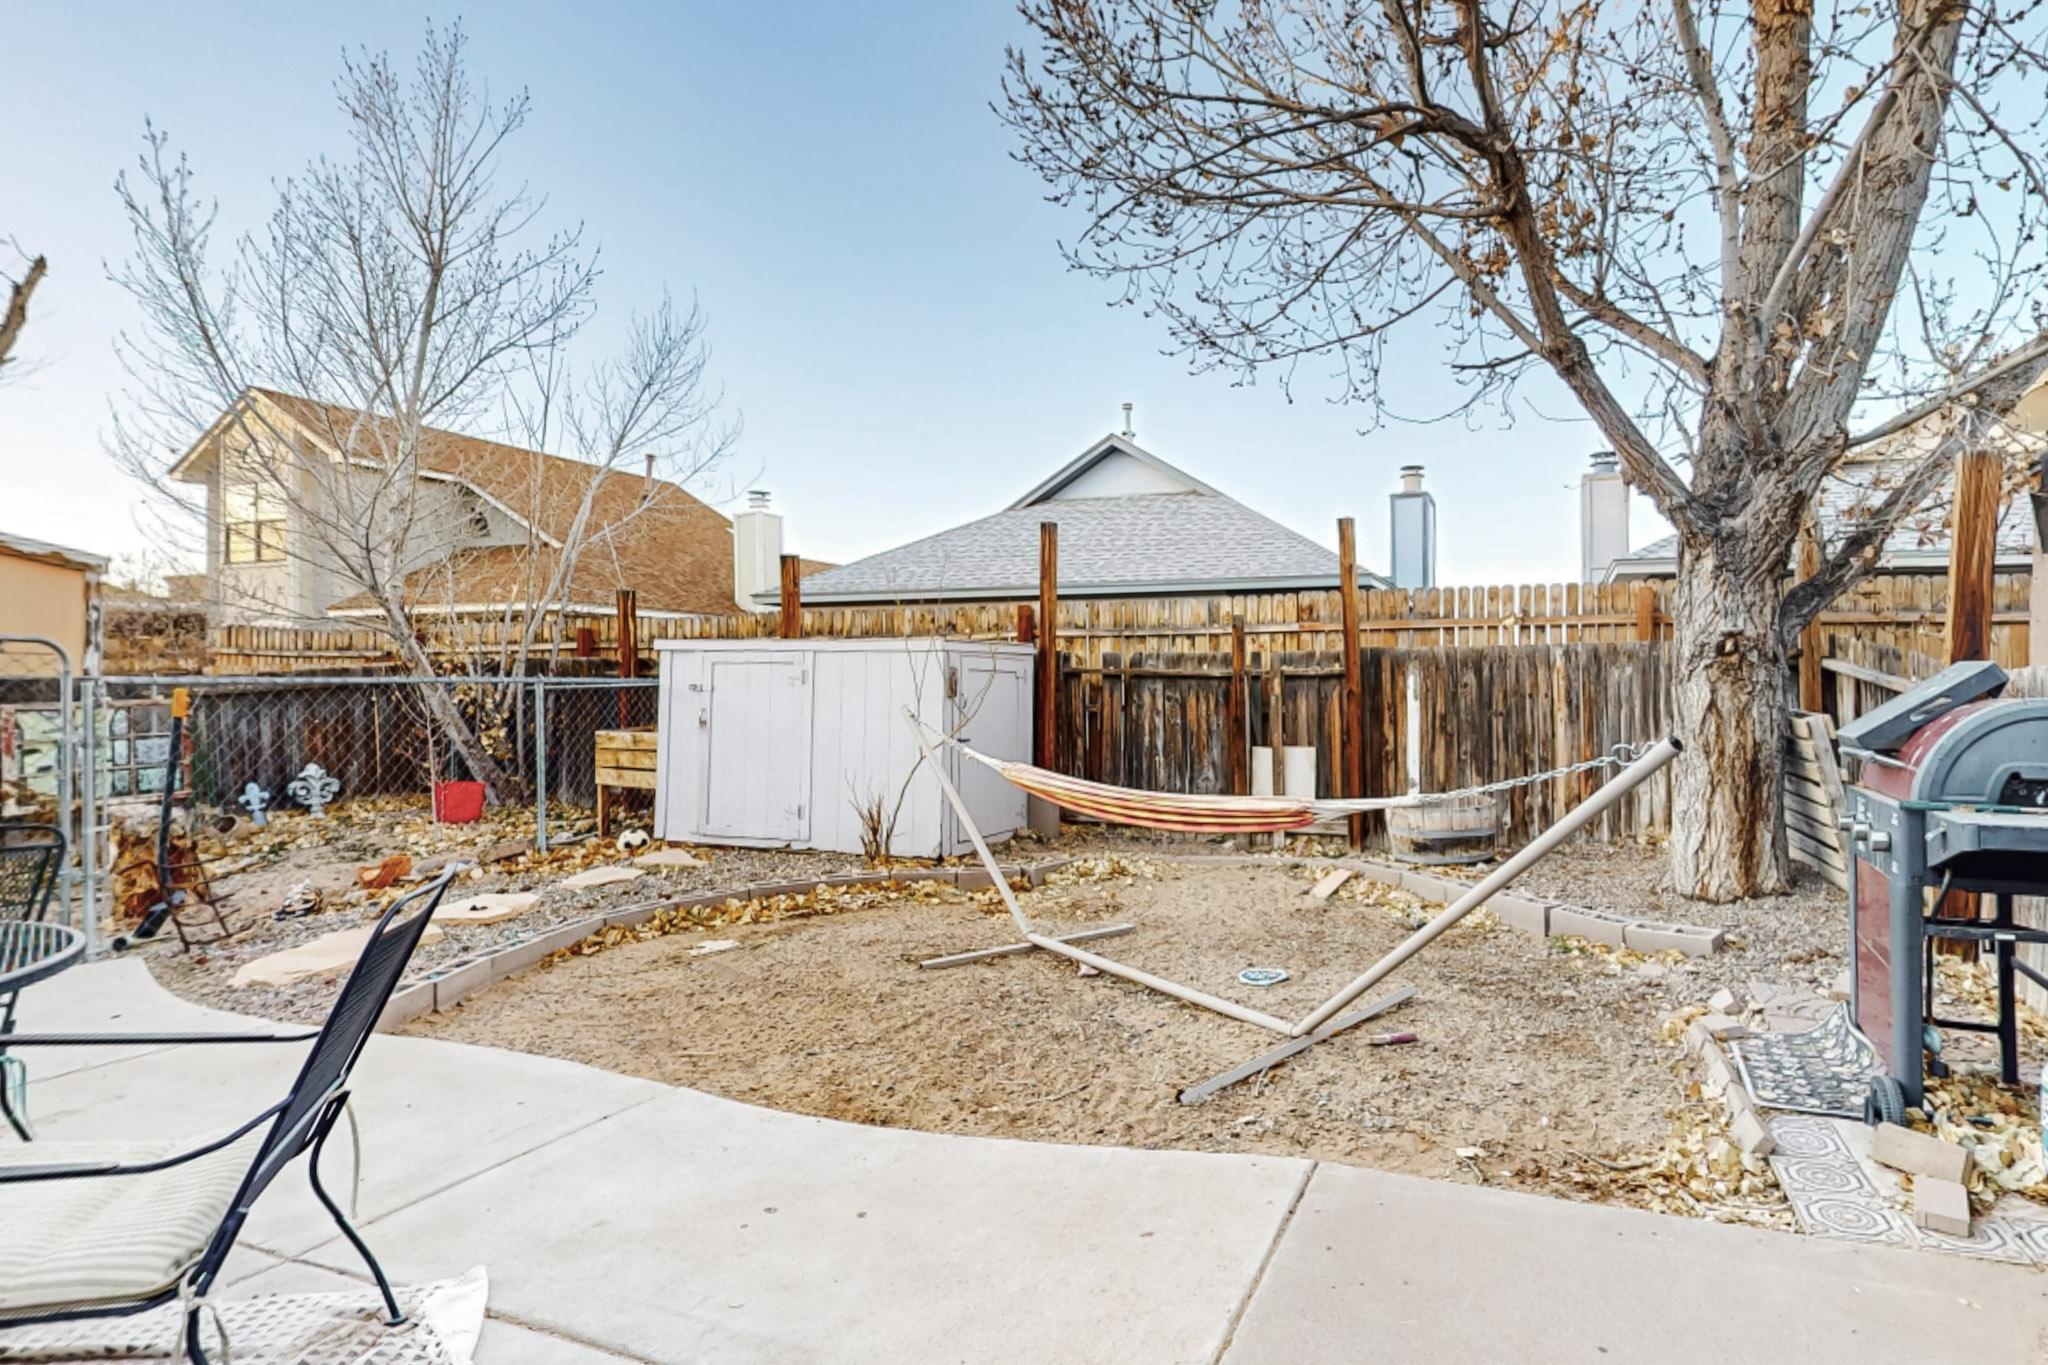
[(1747, 239), (393, 294), (16, 317)]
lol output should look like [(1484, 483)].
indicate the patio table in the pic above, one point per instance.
[(30, 951)]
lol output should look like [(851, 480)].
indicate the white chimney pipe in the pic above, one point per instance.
[(1412, 513), (756, 552), (1603, 517), (1128, 432)]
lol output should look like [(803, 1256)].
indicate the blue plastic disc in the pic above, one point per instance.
[(1262, 976)]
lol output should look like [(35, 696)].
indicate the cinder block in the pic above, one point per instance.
[(1751, 1136), (1378, 872), (1041, 872), (406, 1005), (1427, 885), (1648, 936), (461, 980), (1520, 912), (1596, 925), (1941, 1206), (1919, 1155)]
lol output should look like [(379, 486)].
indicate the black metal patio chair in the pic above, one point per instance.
[(31, 861), (98, 1230)]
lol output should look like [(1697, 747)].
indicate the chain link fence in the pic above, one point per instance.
[(83, 753), (247, 741)]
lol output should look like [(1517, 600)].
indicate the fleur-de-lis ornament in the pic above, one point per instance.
[(313, 788), (257, 802)]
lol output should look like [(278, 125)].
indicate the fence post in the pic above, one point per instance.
[(1236, 755), (790, 600), (540, 764), (1810, 644), (88, 814), (1352, 727), (1646, 612), (1972, 554), (1047, 730)]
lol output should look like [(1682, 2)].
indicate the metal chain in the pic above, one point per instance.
[(1619, 756)]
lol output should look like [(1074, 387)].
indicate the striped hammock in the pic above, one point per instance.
[(1176, 810)]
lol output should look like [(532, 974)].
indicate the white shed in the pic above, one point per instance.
[(780, 743)]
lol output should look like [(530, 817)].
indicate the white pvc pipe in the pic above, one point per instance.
[(1163, 986), (988, 860), (1623, 782)]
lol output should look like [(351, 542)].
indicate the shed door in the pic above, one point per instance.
[(992, 709), (757, 746)]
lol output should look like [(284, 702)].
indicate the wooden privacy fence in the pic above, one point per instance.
[(1184, 722), (1907, 611)]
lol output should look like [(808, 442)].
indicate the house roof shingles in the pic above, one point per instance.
[(1144, 542)]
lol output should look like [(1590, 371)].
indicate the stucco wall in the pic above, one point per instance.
[(51, 600)]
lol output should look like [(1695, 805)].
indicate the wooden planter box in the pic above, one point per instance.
[(625, 758)]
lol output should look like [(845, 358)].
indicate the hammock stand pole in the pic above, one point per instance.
[(1108, 966), (1622, 783)]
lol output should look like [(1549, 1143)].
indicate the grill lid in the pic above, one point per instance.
[(1891, 725)]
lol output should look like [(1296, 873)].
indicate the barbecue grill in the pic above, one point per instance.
[(1951, 795)]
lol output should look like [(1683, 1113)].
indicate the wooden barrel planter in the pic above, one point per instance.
[(1463, 830)]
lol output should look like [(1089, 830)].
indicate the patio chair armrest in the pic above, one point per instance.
[(59, 1170), (8, 1040), (77, 1170)]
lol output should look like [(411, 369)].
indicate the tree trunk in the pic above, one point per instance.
[(445, 715), (1727, 815)]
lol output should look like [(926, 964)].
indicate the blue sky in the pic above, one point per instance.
[(888, 307)]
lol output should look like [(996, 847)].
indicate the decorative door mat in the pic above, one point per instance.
[(1837, 1191), (443, 1321), (1825, 1070)]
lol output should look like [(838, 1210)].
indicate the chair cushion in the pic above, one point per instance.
[(83, 1241)]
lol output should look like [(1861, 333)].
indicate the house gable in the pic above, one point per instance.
[(1114, 467)]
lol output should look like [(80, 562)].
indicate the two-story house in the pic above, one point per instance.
[(483, 526)]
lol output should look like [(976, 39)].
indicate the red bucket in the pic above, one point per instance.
[(458, 803)]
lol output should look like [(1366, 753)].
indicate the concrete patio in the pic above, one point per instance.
[(626, 1220)]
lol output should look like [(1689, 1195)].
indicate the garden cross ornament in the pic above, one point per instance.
[(313, 788), (257, 801)]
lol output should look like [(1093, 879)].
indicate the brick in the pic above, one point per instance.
[(762, 891), (1918, 1154), (1520, 912), (1699, 1039), (406, 1005), (1739, 1102), (1720, 1075), (1648, 936), (1721, 1027), (633, 916), (1751, 1136), (1941, 1206), (1596, 925), (1722, 1000)]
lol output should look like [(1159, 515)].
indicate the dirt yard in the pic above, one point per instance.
[(1543, 1065)]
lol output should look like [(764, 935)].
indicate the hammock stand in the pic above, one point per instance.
[(1166, 810)]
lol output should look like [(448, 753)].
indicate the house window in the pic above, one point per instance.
[(254, 517)]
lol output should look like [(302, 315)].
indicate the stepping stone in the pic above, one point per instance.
[(669, 857), (488, 909), (599, 876), (328, 955)]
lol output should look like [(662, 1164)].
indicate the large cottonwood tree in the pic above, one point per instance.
[(1747, 239)]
